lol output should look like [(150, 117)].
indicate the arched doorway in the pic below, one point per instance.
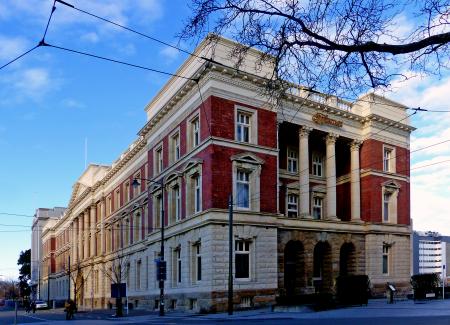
[(322, 269), (294, 268), (347, 259)]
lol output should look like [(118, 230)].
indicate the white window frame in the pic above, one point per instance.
[(175, 153), (292, 161), (243, 181), (252, 164), (137, 189), (138, 274), (197, 181), (386, 257), (252, 125), (390, 189), (291, 197), (193, 131), (315, 205), (244, 251), (117, 205), (389, 161), (126, 189), (318, 165), (158, 159), (243, 127)]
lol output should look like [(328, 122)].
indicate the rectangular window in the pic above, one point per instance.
[(385, 261), (197, 193), (386, 200), (243, 189), (195, 132), (159, 160), (138, 275), (196, 263), (388, 160), (179, 265), (292, 206), (292, 161), (242, 259), (175, 150), (317, 165), (157, 211), (127, 192), (317, 208), (117, 199), (175, 206), (137, 227), (137, 189), (243, 127)]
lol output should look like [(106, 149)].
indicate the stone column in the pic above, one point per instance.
[(330, 164), (304, 171), (80, 237), (102, 226), (74, 241), (93, 229), (86, 234), (355, 181)]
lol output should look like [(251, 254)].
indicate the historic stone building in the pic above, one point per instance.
[(320, 187)]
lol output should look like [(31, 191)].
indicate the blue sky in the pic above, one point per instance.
[(50, 101)]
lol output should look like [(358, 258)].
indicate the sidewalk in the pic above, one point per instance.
[(375, 309)]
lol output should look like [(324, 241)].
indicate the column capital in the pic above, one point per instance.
[(304, 131), (331, 138), (355, 145)]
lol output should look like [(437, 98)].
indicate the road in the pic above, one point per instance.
[(376, 313)]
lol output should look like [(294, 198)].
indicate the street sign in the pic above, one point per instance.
[(115, 290)]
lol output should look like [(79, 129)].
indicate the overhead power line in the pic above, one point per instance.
[(116, 61), (20, 56)]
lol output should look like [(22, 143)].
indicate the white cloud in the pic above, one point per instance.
[(11, 47), (430, 186), (72, 103), (169, 53), (90, 37)]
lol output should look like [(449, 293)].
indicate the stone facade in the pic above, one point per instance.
[(312, 198)]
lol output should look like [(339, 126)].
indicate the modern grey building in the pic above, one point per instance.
[(430, 251)]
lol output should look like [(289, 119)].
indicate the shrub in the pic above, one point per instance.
[(424, 283), (352, 289)]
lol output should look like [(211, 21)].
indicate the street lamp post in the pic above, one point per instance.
[(161, 259)]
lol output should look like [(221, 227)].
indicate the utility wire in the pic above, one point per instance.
[(20, 56), (116, 61), (49, 19), (129, 29)]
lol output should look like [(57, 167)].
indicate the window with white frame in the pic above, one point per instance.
[(196, 262), (388, 159), (126, 232), (317, 165), (197, 193), (138, 274), (390, 192), (176, 266), (137, 227), (194, 132), (243, 127), (175, 147), (385, 259), (137, 189), (127, 192), (292, 205), (386, 200), (175, 206), (243, 189), (317, 207), (292, 160), (157, 209), (242, 259), (158, 160), (117, 199), (109, 207)]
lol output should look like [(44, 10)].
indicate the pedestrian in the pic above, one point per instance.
[(33, 306)]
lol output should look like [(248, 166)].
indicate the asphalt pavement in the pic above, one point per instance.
[(434, 312)]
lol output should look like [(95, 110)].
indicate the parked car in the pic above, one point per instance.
[(40, 304), (2, 302)]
